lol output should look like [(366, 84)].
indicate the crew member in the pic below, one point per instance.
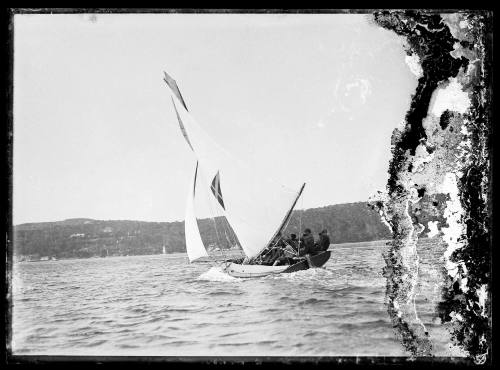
[(293, 242), (306, 243), (323, 242)]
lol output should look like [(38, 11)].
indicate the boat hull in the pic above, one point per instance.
[(249, 271), (317, 260)]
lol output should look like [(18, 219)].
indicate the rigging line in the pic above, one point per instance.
[(214, 261), (228, 229), (274, 241), (289, 219), (231, 232), (284, 228), (289, 213), (212, 212), (215, 223), (221, 249), (300, 221)]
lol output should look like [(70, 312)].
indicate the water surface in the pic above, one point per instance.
[(162, 305)]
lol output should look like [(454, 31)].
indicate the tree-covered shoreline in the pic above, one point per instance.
[(84, 238)]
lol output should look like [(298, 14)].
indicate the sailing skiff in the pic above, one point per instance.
[(237, 269), (255, 223)]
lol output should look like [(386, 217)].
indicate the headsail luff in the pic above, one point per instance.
[(254, 205), (194, 245)]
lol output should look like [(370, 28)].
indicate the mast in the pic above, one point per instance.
[(287, 216)]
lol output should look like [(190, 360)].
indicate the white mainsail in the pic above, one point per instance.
[(194, 245), (238, 188)]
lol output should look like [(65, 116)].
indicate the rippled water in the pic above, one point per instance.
[(161, 305)]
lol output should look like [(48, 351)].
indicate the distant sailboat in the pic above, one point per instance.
[(255, 223), (164, 252)]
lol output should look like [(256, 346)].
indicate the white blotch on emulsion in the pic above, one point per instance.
[(463, 24), (463, 283), (413, 62), (433, 229), (421, 157), (456, 316), (413, 196), (452, 214), (482, 295), (451, 97)]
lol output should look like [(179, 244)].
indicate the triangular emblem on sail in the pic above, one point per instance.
[(216, 190)]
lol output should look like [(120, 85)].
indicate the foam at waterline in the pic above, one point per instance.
[(319, 272), (216, 274)]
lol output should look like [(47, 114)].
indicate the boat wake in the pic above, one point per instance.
[(311, 272), (216, 274), (320, 274)]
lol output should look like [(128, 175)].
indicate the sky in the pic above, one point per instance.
[(304, 97)]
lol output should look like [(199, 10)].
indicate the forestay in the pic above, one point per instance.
[(239, 188)]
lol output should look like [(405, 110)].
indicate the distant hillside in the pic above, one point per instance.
[(80, 237)]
